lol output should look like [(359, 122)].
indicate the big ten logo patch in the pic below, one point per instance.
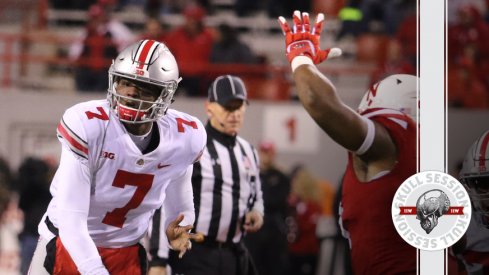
[(107, 155)]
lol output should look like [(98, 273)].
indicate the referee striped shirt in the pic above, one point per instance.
[(226, 185)]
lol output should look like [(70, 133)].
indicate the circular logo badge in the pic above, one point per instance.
[(431, 210)]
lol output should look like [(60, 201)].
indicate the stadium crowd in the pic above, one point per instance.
[(384, 33)]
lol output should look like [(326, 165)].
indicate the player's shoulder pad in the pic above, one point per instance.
[(190, 129), (392, 115), (83, 124)]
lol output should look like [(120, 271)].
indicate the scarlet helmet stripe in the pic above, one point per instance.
[(144, 52), (76, 144), (483, 152)]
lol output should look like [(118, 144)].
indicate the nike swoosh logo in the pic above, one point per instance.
[(162, 165)]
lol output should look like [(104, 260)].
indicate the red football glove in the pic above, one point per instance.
[(302, 41)]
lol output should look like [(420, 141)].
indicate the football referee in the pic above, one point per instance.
[(226, 187)]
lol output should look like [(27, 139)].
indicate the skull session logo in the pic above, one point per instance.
[(431, 210)]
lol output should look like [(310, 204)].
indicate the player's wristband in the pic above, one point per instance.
[(157, 261), (300, 60)]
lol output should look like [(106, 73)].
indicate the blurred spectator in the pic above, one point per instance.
[(191, 45), (71, 5), (326, 228), (246, 7), (33, 179), (103, 37), (274, 8), (454, 5), (470, 30), (10, 227), (466, 88), (468, 63), (406, 35), (395, 63), (227, 47), (342, 256), (268, 246), (153, 29), (306, 206), (5, 184), (351, 17), (155, 8), (10, 222), (5, 174), (387, 12)]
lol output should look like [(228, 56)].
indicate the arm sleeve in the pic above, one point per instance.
[(74, 200), (180, 199)]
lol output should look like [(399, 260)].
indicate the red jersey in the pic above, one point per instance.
[(306, 215), (376, 247)]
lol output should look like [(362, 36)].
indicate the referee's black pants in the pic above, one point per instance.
[(211, 258)]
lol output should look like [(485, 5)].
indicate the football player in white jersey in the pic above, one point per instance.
[(122, 158), (474, 175)]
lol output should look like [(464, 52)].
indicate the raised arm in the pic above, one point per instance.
[(367, 139)]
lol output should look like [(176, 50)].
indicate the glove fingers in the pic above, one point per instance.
[(283, 24), (318, 26), (306, 22), (297, 21)]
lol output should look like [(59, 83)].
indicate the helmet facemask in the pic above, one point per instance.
[(148, 66), (133, 110), (474, 175), (478, 189)]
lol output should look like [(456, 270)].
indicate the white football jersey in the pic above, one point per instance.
[(127, 186), (476, 253)]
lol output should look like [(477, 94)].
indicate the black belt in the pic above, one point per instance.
[(217, 244)]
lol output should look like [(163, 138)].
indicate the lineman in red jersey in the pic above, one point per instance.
[(380, 138), (122, 158), (474, 175)]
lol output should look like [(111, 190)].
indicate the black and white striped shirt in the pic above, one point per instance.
[(226, 185)]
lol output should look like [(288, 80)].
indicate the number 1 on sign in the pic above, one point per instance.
[(291, 125)]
